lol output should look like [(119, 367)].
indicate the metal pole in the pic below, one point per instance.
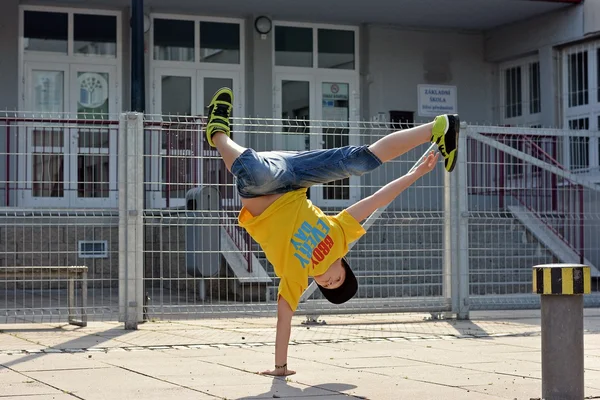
[(562, 287), (137, 56)]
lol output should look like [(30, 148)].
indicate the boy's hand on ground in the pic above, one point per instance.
[(428, 163), (279, 372)]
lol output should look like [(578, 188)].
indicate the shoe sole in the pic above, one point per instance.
[(457, 131), (220, 92)]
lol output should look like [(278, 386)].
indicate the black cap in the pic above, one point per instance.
[(346, 291)]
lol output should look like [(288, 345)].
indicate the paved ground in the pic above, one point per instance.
[(495, 355)]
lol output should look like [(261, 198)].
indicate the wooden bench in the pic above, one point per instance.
[(73, 273)]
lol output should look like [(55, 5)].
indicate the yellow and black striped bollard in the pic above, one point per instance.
[(562, 287)]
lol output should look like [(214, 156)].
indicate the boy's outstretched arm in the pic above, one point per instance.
[(282, 339), (389, 192)]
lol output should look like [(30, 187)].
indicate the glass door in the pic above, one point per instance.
[(337, 109), (181, 99), (93, 172), (43, 171), (294, 109), (175, 102), (70, 164)]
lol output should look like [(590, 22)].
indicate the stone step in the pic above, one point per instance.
[(391, 290), (494, 289), (388, 249), (492, 241)]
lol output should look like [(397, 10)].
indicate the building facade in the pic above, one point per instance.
[(525, 63)]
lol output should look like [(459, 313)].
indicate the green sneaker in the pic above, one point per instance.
[(445, 135), (219, 112)]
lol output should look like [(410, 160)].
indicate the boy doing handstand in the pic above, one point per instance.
[(298, 239)]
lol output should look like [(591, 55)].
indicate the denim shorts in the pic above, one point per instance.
[(276, 172)]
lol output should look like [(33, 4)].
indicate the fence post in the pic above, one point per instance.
[(562, 287), (462, 222), (131, 207), (450, 244)]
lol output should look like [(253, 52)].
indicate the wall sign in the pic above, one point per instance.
[(436, 99)]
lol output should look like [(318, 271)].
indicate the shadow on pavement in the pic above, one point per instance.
[(82, 342), (281, 389)]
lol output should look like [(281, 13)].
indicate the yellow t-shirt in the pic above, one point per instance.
[(300, 240)]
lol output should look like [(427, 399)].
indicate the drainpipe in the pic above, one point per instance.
[(138, 94)]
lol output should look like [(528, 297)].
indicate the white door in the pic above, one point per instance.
[(331, 105), (69, 165), (180, 97)]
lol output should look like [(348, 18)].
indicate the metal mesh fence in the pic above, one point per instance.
[(58, 220), (527, 208), (398, 262), (60, 207)]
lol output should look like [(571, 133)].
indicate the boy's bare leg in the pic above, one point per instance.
[(229, 151), (398, 143)]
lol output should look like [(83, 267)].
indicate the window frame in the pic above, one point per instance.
[(591, 110), (526, 118), (197, 64), (278, 69), (69, 63)]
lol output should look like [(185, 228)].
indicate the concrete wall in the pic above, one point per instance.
[(591, 17), (526, 37), (399, 60), (259, 82), (9, 48), (9, 83)]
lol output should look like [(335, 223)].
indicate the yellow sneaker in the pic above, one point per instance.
[(445, 135), (219, 112)]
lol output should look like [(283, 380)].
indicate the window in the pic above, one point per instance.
[(95, 34), (579, 146), (93, 163), (93, 249), (294, 47), (195, 40), (598, 76), (336, 49), (219, 42), (174, 40), (581, 102), (48, 161), (578, 79), (46, 31), (535, 105), (513, 100), (520, 92)]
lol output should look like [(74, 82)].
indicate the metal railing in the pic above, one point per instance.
[(178, 158), (556, 202), (525, 209)]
